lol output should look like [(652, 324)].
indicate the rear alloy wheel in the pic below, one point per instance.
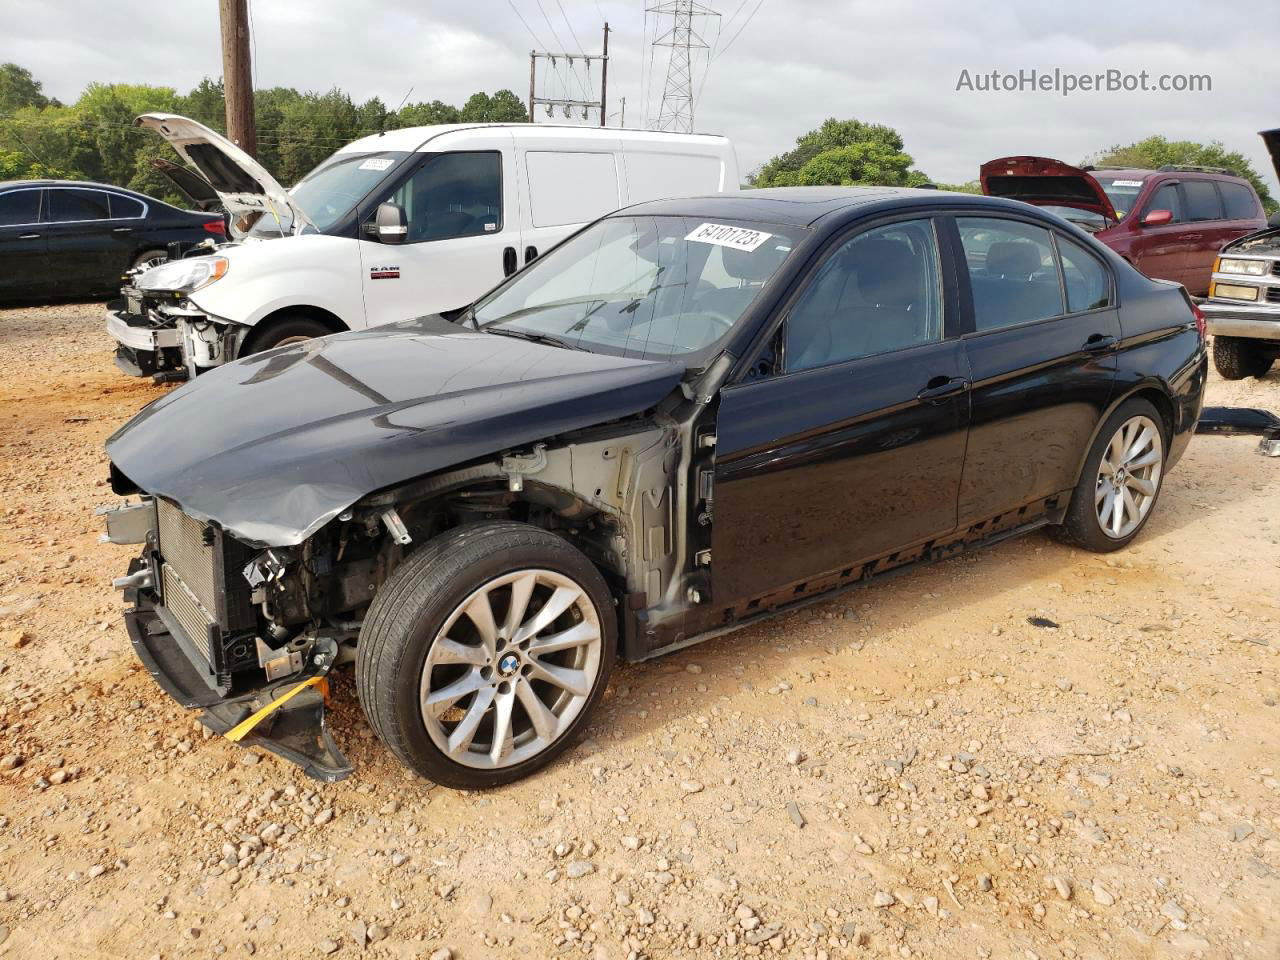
[(1121, 480), (1238, 357), (152, 258), (484, 654)]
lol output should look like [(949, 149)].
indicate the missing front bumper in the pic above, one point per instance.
[(1243, 422), (295, 730)]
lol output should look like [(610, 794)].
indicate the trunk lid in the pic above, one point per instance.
[(1045, 182), (246, 189)]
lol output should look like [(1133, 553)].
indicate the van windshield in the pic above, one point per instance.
[(651, 287), (328, 192)]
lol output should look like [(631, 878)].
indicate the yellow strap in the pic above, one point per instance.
[(242, 729)]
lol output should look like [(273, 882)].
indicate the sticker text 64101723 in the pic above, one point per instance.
[(724, 235)]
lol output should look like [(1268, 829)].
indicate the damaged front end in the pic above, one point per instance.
[(209, 617)]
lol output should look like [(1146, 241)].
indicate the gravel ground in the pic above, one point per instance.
[(909, 770)]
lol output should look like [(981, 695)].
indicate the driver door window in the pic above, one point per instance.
[(453, 195), (878, 293)]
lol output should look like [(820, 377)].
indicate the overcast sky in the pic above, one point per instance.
[(781, 65)]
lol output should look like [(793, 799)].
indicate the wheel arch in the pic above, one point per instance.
[(1154, 392)]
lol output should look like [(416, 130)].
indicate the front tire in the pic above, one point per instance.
[(1238, 357), (485, 653), (282, 332), (1121, 480)]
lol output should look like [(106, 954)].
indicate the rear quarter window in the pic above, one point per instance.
[(19, 207), (125, 208), (1238, 201)]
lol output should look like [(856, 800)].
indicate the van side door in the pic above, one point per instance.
[(566, 181), (1160, 251), (462, 212), (1208, 233)]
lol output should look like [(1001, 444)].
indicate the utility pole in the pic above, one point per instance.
[(237, 75), (568, 102), (604, 72), (676, 111)]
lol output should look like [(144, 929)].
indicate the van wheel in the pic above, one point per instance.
[(1237, 357), (484, 654), (1121, 480), (282, 332)]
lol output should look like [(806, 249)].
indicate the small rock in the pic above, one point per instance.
[(10, 762), (327, 946), (631, 843), (1064, 684), (323, 817), (16, 638), (1175, 914), (578, 869), (1060, 884), (478, 907), (1241, 831), (96, 870), (398, 859), (444, 953), (377, 932), (883, 899), (1099, 778), (984, 882), (796, 816), (691, 786), (794, 757), (1102, 896), (980, 792)]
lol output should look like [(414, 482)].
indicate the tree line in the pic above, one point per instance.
[(94, 138)]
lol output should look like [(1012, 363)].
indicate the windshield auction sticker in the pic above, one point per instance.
[(722, 235), (376, 163)]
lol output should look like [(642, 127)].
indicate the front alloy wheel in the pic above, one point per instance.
[(1129, 477), (512, 667), (485, 652)]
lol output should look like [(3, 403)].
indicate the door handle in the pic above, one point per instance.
[(29, 236), (1099, 343), (530, 254), (508, 261), (122, 229), (942, 389)]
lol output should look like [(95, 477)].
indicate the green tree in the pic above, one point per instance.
[(1154, 152), (503, 107), (19, 89), (843, 152), (427, 114)]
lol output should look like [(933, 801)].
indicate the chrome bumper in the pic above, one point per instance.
[(1254, 321)]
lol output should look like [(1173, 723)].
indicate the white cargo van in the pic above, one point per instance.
[(397, 225)]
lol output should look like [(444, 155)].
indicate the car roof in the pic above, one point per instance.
[(410, 139), (91, 184), (1140, 173), (805, 206)]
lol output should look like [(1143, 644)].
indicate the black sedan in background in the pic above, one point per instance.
[(689, 415), (62, 238)]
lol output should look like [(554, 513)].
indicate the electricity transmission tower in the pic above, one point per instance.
[(676, 110)]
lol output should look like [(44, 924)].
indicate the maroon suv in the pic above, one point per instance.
[(1169, 223)]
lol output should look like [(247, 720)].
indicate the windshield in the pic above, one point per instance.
[(1086, 219), (1123, 194), (652, 287), (328, 192)]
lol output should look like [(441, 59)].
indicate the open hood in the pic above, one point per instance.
[(188, 183), (1272, 139), (243, 185), (274, 446), (1045, 183)]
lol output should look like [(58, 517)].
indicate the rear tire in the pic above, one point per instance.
[(1237, 357), (474, 706), (281, 332), (1121, 480), (150, 257)]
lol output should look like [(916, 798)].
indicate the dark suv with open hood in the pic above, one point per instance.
[(689, 415), (1169, 223)]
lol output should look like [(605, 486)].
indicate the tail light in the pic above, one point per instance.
[(216, 227), (1199, 315)]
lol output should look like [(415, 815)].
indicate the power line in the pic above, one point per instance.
[(577, 42), (554, 36), (744, 26), (516, 11)]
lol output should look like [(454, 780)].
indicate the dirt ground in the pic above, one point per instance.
[(912, 769)]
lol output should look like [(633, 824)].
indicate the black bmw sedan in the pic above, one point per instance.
[(689, 415), (64, 238)]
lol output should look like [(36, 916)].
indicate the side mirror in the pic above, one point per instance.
[(1274, 219), (390, 224), (1154, 218)]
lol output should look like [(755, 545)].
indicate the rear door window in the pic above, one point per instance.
[(1087, 281), (1167, 198), (569, 188), (1012, 271), (1238, 201), (19, 207), (77, 206), (1202, 200), (125, 208)]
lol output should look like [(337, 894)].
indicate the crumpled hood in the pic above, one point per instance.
[(276, 445)]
